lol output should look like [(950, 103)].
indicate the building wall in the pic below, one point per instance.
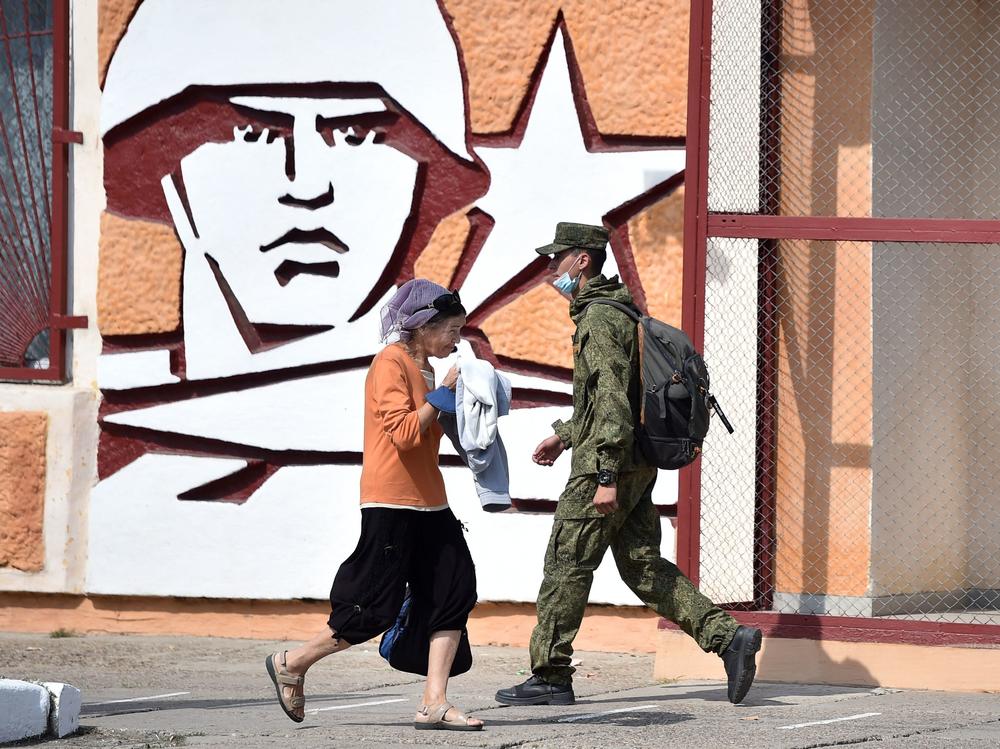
[(727, 467), (934, 495), (70, 411), (984, 517), (208, 428), (819, 147)]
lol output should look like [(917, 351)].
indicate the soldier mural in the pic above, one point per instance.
[(300, 167)]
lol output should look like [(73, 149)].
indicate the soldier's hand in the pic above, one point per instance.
[(548, 450), (606, 499)]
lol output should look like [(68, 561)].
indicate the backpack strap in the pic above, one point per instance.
[(618, 306)]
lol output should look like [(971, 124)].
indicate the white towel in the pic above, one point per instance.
[(479, 407)]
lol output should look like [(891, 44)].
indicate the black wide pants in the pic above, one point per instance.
[(426, 550)]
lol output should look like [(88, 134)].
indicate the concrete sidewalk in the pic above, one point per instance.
[(161, 692)]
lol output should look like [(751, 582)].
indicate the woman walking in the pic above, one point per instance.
[(408, 533)]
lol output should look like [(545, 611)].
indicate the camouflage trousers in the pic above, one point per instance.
[(580, 537)]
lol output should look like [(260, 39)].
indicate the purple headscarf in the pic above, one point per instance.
[(407, 310)]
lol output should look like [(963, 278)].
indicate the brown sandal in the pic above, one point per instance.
[(283, 678), (436, 721)]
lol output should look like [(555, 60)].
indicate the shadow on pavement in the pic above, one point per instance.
[(107, 709), (624, 720)]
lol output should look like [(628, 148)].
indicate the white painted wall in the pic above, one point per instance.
[(728, 467), (288, 538), (734, 130), (71, 408)]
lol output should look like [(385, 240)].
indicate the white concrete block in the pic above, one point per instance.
[(64, 708), (24, 710)]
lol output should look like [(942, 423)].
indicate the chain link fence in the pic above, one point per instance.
[(862, 377), (855, 108), (863, 382)]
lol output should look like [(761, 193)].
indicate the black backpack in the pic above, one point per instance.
[(676, 402)]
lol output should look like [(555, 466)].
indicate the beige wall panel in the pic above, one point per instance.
[(139, 277), (960, 669), (22, 490), (536, 326)]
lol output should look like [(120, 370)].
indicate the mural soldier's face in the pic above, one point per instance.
[(301, 211)]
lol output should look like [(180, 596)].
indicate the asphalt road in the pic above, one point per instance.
[(206, 692)]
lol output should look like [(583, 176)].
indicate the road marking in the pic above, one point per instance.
[(832, 720), (139, 699), (606, 712), (357, 704)]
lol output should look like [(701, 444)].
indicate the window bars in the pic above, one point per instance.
[(33, 177)]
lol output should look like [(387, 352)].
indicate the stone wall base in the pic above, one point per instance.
[(874, 664), (605, 628)]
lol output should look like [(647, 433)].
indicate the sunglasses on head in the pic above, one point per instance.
[(445, 302)]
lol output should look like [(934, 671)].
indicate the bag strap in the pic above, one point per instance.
[(618, 306)]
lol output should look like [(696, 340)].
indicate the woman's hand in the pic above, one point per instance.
[(451, 378)]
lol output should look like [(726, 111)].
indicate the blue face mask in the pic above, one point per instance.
[(566, 285)]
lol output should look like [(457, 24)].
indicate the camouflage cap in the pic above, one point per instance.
[(570, 235)]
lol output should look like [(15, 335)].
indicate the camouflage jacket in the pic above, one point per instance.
[(606, 384)]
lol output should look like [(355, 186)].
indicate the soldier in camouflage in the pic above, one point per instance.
[(607, 501)]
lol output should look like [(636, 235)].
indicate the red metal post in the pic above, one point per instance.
[(865, 629), (58, 237), (695, 215), (769, 203), (844, 229)]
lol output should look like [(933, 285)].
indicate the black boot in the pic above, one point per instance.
[(537, 691), (740, 659)]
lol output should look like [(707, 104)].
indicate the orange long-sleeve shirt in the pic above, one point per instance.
[(400, 464)]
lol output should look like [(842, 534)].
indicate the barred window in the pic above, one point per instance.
[(33, 84)]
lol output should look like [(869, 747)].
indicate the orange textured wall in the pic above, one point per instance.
[(636, 80), (606, 628), (826, 121), (824, 292), (824, 418), (139, 277), (657, 237), (440, 258), (22, 490), (112, 20)]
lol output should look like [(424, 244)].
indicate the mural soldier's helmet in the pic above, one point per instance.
[(173, 45), (185, 68)]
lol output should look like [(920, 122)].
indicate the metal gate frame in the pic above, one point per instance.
[(62, 137), (699, 225)]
